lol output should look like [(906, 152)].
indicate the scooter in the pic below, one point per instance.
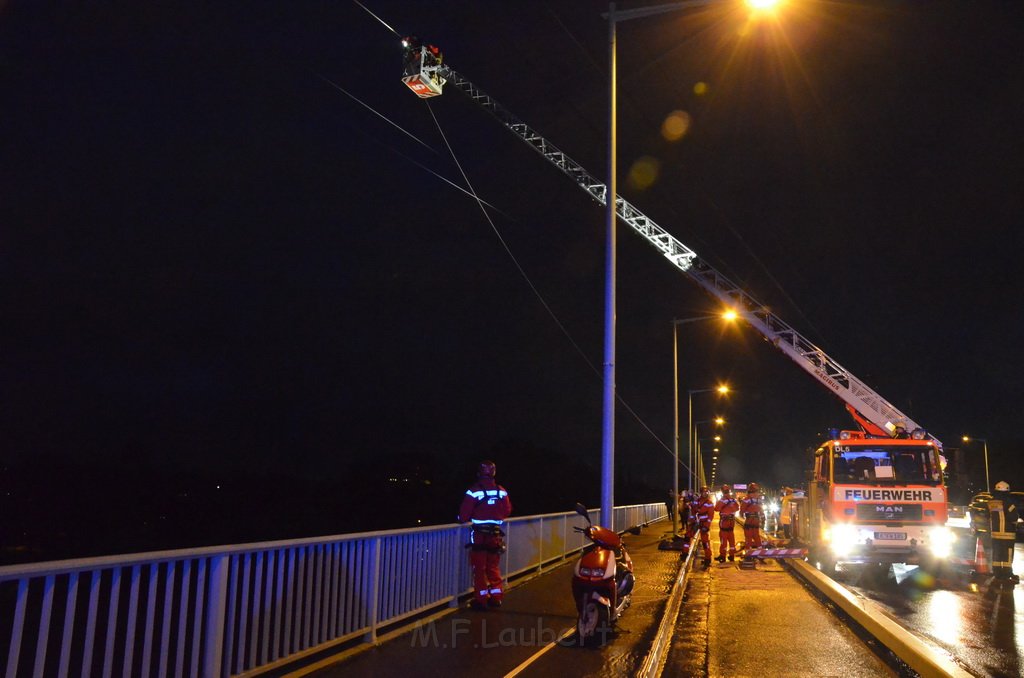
[(602, 582)]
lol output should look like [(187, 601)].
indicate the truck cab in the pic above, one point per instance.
[(875, 500)]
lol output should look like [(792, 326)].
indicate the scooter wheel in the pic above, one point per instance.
[(593, 625)]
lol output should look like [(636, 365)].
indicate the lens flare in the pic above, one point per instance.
[(676, 125)]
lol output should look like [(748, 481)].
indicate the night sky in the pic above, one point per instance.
[(213, 257)]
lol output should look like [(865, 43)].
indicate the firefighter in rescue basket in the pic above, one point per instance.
[(486, 505)]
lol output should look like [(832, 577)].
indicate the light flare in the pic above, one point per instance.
[(675, 126)]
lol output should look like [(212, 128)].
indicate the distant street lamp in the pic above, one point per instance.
[(728, 315), (984, 442), (721, 390)]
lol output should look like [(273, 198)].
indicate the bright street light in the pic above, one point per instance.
[(762, 5), (721, 389), (727, 315), (611, 200), (984, 442)]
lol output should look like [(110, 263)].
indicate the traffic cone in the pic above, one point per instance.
[(980, 561)]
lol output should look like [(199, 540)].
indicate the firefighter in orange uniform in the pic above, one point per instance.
[(486, 505), (726, 508), (753, 517), (705, 512)]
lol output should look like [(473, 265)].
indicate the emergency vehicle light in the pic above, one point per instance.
[(844, 435), (918, 434)]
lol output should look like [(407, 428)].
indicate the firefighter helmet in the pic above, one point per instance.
[(487, 469), (1002, 486), (753, 487)]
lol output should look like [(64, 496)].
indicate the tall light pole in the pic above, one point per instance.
[(727, 315), (721, 390), (611, 210), (701, 470), (984, 442)]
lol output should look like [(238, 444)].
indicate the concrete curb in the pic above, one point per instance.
[(654, 662), (928, 660)]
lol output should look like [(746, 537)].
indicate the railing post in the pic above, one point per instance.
[(216, 613), (456, 567), (374, 593), (540, 544)]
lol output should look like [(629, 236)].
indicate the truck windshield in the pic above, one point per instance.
[(886, 465)]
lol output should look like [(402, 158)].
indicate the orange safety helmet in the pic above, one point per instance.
[(487, 469)]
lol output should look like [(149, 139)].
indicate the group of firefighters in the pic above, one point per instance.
[(698, 510)]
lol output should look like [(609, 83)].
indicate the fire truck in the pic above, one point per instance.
[(876, 500), (895, 509)]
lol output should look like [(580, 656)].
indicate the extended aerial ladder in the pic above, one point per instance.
[(870, 409)]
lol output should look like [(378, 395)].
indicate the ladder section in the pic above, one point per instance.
[(804, 353)]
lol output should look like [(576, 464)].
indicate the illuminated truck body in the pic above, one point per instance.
[(875, 500)]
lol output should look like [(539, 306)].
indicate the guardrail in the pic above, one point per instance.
[(228, 610)]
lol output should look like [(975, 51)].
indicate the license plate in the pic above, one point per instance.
[(889, 536)]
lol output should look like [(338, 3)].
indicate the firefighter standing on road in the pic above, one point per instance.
[(486, 505), (786, 512), (726, 508), (1002, 510), (705, 512), (753, 517), (688, 518)]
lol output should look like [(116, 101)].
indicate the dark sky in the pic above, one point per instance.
[(211, 256)]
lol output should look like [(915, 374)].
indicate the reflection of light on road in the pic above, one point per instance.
[(901, 571), (944, 615)]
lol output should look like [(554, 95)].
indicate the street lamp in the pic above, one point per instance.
[(728, 315), (701, 470), (721, 390), (611, 209), (984, 442)]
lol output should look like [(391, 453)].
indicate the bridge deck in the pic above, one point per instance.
[(733, 622)]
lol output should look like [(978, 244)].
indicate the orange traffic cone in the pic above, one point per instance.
[(980, 561)]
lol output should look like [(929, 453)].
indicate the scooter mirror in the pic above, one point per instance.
[(582, 510)]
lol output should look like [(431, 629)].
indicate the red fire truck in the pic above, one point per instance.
[(875, 500)]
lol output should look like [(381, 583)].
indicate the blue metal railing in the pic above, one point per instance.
[(227, 610)]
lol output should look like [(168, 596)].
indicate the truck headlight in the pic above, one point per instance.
[(941, 539), (843, 538)]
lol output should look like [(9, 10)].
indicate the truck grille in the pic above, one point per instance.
[(888, 512)]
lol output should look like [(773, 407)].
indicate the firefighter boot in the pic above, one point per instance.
[(705, 564), (720, 559)]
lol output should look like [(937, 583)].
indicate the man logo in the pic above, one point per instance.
[(888, 510)]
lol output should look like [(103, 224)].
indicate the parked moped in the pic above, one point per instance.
[(602, 582)]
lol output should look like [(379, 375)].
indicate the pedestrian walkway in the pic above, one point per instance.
[(536, 613)]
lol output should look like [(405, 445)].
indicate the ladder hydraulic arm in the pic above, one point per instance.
[(855, 393)]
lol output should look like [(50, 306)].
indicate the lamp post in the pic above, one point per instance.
[(727, 315), (721, 390), (984, 443), (701, 470), (611, 210)]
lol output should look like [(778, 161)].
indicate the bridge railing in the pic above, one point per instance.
[(228, 610)]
